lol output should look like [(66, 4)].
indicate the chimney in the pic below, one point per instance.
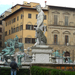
[(45, 3)]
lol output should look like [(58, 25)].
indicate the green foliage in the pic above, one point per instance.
[(7, 71), (35, 70)]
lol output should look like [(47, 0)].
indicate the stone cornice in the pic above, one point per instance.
[(61, 27)]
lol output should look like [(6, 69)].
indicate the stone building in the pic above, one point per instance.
[(2, 27), (61, 28)]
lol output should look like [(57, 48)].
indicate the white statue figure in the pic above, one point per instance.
[(40, 26)]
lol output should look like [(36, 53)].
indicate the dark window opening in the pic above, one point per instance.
[(30, 40), (29, 27), (17, 29), (36, 16), (0, 37), (20, 40), (66, 39), (44, 17), (66, 20), (9, 32), (0, 22), (21, 27), (21, 16), (0, 43), (55, 19), (17, 18), (0, 29), (27, 40), (55, 39), (6, 33), (35, 27), (29, 15)]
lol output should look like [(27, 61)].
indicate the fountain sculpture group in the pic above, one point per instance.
[(41, 53)]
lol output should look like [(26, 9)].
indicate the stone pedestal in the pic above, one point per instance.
[(41, 54)]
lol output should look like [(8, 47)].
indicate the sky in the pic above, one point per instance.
[(6, 4)]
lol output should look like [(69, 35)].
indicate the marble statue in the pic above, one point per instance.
[(40, 25), (41, 37)]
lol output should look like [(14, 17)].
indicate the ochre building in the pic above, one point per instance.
[(21, 22)]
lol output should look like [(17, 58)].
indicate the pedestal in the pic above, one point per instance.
[(41, 54)]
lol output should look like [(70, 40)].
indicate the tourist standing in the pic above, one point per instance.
[(14, 67)]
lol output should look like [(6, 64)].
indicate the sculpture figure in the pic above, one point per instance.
[(40, 19), (16, 39), (41, 37), (10, 48), (19, 58), (57, 54)]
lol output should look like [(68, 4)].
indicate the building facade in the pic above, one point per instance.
[(21, 22), (61, 28), (2, 28)]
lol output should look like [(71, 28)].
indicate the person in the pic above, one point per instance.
[(14, 67)]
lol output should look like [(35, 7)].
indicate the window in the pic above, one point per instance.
[(35, 26), (21, 27), (17, 29), (6, 33), (17, 18), (36, 16), (55, 39), (29, 15), (55, 19), (0, 29), (9, 22), (9, 32), (21, 16), (29, 27), (0, 43), (0, 22), (33, 40), (0, 37), (20, 39), (66, 20), (30, 40), (27, 40), (6, 24), (66, 39), (44, 17), (13, 30), (13, 20)]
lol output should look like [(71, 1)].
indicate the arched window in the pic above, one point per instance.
[(55, 39), (66, 39)]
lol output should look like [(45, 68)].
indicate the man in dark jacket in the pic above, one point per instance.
[(14, 67)]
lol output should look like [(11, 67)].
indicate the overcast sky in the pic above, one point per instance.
[(6, 4)]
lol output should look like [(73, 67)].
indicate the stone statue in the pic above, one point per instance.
[(40, 26), (41, 37)]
